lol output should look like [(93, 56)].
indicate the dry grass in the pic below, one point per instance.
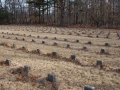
[(70, 75)]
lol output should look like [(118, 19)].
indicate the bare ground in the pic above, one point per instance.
[(70, 75)]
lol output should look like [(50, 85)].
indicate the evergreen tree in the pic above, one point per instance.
[(3, 15)]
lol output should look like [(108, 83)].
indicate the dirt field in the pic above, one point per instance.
[(70, 74)]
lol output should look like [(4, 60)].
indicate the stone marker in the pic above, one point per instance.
[(23, 47), (68, 45), (106, 44), (97, 36), (89, 42), (45, 37), (99, 63), (25, 70), (38, 51), (38, 36), (88, 87), (13, 46), (43, 42), (7, 62), (65, 39), (84, 47), (77, 40), (23, 39), (16, 37), (55, 38), (33, 40), (51, 77), (73, 57), (102, 50), (55, 44), (54, 53)]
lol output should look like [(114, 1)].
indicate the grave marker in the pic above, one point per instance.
[(88, 87), (107, 44), (68, 45), (25, 70), (77, 40), (7, 62), (102, 50), (54, 53), (73, 57), (43, 42), (51, 77), (99, 63)]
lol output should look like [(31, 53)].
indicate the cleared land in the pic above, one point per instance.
[(70, 74)]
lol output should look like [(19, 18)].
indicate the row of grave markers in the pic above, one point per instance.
[(68, 45), (51, 77), (107, 36), (43, 42)]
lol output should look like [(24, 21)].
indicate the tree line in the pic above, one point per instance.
[(97, 13)]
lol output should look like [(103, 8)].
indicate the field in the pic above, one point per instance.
[(20, 44)]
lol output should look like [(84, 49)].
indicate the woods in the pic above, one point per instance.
[(95, 13)]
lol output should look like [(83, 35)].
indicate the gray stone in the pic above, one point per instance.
[(33, 40), (77, 40), (68, 45), (25, 71), (23, 39), (51, 77), (26, 68), (55, 44), (99, 62), (38, 50), (65, 39), (43, 42), (102, 50), (88, 87), (73, 57), (23, 47), (16, 37), (38, 36), (54, 53), (45, 37), (106, 44), (89, 42), (84, 47), (13, 46), (8, 62), (97, 36), (55, 38)]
